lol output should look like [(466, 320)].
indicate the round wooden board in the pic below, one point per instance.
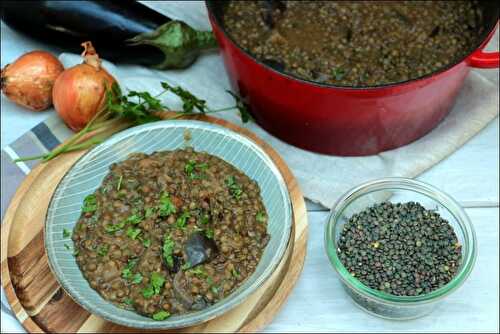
[(41, 305)]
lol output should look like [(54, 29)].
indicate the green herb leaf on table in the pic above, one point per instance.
[(242, 107), (89, 204), (190, 102)]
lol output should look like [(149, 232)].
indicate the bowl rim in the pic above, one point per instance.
[(190, 318), (478, 46), (407, 184)]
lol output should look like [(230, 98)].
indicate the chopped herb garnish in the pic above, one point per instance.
[(66, 233), (166, 206), (89, 203), (261, 217), (76, 252), (133, 232), (68, 247), (112, 228), (128, 301), (214, 289), (134, 219), (209, 233), (119, 183), (146, 243), (235, 273), (198, 271), (191, 167), (182, 220), (157, 281), (161, 315), (127, 271), (234, 187), (148, 292), (137, 278), (102, 250), (205, 219), (168, 250), (150, 211)]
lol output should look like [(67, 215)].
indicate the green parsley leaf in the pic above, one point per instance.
[(134, 219), (209, 233), (133, 232), (68, 247), (157, 282), (112, 228), (148, 292), (161, 315), (166, 206), (234, 187), (150, 211), (66, 233), (127, 271), (89, 203), (168, 250), (242, 107), (103, 250), (128, 301), (182, 220), (137, 278), (146, 243), (189, 101), (261, 217), (214, 289)]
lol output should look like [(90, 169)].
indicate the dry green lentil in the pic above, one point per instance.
[(134, 235), (356, 43), (401, 249)]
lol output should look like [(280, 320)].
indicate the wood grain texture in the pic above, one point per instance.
[(41, 305)]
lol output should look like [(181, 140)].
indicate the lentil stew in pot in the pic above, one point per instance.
[(356, 43), (171, 232)]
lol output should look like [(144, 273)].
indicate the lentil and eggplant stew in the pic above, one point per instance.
[(171, 232), (356, 43)]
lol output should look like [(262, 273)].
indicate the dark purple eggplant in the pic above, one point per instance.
[(199, 249), (122, 31)]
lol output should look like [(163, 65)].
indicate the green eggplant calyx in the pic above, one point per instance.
[(180, 43)]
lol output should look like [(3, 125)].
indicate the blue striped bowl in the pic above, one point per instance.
[(87, 174)]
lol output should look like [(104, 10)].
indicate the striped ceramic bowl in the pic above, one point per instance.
[(87, 174)]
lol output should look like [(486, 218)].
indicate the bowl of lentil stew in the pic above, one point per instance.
[(185, 143), (399, 246), (348, 116)]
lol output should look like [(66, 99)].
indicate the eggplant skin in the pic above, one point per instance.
[(108, 24)]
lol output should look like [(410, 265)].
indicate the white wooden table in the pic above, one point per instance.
[(318, 303)]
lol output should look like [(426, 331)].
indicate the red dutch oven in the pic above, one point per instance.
[(347, 121)]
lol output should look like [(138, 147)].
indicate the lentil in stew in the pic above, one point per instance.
[(170, 232), (356, 43)]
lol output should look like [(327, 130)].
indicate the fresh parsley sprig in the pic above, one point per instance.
[(121, 111)]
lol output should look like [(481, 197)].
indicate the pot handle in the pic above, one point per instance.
[(480, 59)]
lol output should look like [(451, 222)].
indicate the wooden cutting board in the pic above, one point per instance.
[(41, 305)]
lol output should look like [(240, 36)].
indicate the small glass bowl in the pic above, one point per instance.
[(399, 190)]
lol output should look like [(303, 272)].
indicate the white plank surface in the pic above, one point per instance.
[(318, 302)]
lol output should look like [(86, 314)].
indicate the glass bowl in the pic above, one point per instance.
[(399, 190)]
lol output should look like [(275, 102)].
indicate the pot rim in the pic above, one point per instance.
[(479, 46)]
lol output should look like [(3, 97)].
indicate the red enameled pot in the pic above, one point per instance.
[(347, 120)]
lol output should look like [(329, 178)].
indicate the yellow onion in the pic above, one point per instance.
[(80, 91), (29, 80)]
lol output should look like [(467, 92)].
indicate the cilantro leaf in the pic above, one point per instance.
[(148, 292), (127, 271), (157, 282), (242, 107), (150, 211), (261, 217), (146, 243), (182, 220), (234, 187), (112, 228), (168, 250), (137, 278), (189, 101), (103, 250)]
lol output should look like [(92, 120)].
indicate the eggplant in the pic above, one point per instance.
[(199, 249), (121, 31)]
